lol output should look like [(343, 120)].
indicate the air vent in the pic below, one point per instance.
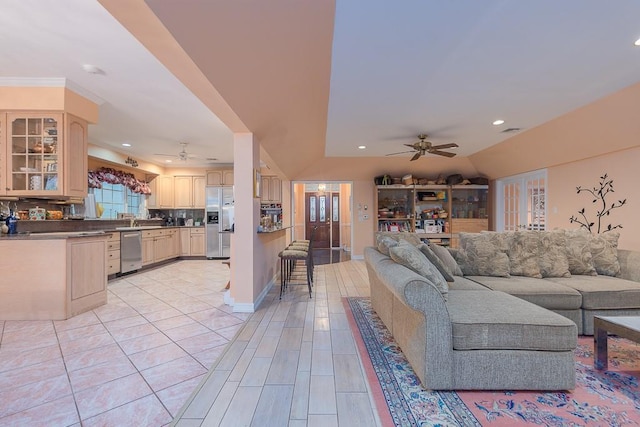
[(510, 130), (211, 159)]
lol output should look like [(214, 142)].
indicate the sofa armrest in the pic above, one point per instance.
[(629, 264)]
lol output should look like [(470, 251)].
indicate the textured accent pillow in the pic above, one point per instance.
[(433, 258), (604, 250), (552, 258), (578, 250), (384, 243), (523, 254), (409, 237), (408, 255), (447, 258), (479, 256)]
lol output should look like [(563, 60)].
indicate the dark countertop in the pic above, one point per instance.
[(52, 235), (274, 230)]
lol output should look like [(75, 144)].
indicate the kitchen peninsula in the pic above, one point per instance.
[(52, 276)]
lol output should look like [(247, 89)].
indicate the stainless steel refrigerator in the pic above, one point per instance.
[(220, 221)]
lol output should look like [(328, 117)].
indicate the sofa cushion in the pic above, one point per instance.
[(578, 250), (462, 283), (544, 293), (479, 256), (408, 255), (604, 250), (552, 257), (386, 242), (523, 255), (498, 321), (433, 259), (603, 292), (447, 259)]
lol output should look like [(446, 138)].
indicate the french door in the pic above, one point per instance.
[(521, 202)]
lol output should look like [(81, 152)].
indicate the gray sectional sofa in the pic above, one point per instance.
[(508, 331)]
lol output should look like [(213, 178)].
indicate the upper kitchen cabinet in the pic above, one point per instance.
[(220, 177), (46, 155), (189, 191), (271, 189), (162, 192)]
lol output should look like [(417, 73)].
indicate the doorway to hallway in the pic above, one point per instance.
[(327, 208)]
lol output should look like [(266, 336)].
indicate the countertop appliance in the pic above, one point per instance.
[(219, 222), (130, 251)]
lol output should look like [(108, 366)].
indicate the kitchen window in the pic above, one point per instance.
[(116, 198)]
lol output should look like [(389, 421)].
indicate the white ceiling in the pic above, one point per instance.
[(398, 69)]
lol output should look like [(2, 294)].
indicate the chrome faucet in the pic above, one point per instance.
[(132, 222)]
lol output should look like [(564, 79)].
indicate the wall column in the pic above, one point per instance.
[(245, 251)]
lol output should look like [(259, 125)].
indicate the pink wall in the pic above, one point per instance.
[(563, 200)]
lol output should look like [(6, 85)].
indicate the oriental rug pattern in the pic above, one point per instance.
[(601, 398)]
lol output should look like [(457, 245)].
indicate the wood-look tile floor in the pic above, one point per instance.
[(294, 363)]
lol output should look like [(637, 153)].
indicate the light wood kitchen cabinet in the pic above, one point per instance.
[(189, 192), (162, 192), (220, 177), (192, 241), (46, 155), (72, 281), (159, 245), (271, 189), (113, 253)]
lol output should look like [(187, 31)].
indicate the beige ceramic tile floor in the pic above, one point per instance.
[(145, 357), (134, 361)]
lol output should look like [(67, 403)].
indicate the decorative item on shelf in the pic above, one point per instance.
[(131, 162)]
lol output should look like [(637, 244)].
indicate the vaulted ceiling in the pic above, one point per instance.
[(315, 79)]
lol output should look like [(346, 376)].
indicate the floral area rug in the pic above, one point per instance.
[(601, 398)]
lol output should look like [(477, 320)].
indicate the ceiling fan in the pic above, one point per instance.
[(423, 147), (182, 155)]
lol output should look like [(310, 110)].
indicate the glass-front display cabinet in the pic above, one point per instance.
[(469, 208), (395, 209), (34, 153)]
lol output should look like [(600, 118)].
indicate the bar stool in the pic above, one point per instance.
[(296, 251)]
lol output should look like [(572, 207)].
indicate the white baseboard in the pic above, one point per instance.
[(357, 256), (251, 307)]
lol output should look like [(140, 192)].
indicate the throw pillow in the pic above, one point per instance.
[(578, 251), (408, 255), (604, 250), (409, 237), (384, 243), (433, 258), (523, 254), (479, 256), (552, 259), (447, 259)]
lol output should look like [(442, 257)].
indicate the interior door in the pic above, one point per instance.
[(522, 202), (317, 208)]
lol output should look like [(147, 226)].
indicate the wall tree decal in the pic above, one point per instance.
[(599, 198)]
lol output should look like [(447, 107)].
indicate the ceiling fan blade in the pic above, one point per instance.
[(439, 147), (416, 156), (165, 155), (442, 153), (401, 152)]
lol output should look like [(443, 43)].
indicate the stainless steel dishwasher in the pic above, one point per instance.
[(130, 251)]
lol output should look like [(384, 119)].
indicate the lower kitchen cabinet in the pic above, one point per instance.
[(113, 253), (192, 241)]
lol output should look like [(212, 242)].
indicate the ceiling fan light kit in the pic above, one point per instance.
[(423, 147)]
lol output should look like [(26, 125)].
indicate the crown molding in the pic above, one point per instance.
[(51, 82)]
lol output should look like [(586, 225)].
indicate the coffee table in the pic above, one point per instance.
[(623, 326)]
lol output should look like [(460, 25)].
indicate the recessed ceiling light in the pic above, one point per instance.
[(92, 69), (361, 147), (637, 42), (126, 144), (498, 122), (168, 161)]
